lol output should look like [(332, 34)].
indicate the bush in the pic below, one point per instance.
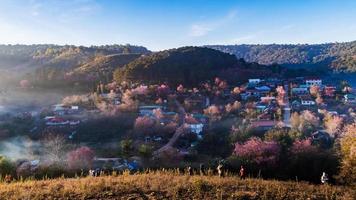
[(80, 158), (6, 166), (145, 151)]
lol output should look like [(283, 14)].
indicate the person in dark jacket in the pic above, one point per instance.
[(202, 169)]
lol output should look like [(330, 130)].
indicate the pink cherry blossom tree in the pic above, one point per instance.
[(281, 93), (314, 90), (81, 158), (144, 125), (303, 146), (180, 88), (140, 90), (163, 90), (213, 112), (127, 102), (257, 151), (158, 113), (232, 107), (25, 84), (236, 91)]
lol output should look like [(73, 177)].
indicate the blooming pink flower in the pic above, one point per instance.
[(303, 146), (80, 158), (258, 151)]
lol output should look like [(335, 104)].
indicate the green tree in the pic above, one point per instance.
[(6, 166), (145, 151), (280, 135), (126, 147)]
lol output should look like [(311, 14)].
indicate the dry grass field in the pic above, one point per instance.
[(168, 185)]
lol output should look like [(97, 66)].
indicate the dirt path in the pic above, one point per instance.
[(286, 108), (180, 130)]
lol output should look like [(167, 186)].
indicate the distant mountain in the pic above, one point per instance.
[(334, 56), (186, 65), (62, 56), (42, 63)]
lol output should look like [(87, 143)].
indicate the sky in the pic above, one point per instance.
[(164, 24)]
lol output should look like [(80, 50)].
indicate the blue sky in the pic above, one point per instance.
[(159, 24)]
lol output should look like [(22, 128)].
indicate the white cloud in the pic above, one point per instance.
[(203, 28), (258, 35), (35, 8), (198, 30), (243, 39)]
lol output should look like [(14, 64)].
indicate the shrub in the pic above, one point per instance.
[(126, 147), (145, 125), (6, 166), (80, 158), (145, 151)]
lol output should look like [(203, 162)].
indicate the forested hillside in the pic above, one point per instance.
[(55, 55), (336, 56), (49, 63), (189, 65)]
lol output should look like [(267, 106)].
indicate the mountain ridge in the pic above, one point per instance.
[(331, 56)]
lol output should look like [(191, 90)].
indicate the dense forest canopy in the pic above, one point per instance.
[(188, 65), (337, 56)]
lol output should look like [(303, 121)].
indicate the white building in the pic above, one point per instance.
[(266, 99), (307, 102), (197, 129), (254, 81), (148, 110), (350, 98), (313, 81), (300, 90)]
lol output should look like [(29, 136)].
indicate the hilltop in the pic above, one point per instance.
[(169, 185), (188, 65), (335, 56)]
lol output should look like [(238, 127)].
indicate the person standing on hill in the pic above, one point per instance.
[(202, 169), (220, 170), (324, 178), (242, 172), (190, 171), (8, 178)]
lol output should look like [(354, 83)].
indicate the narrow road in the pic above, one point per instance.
[(180, 130), (286, 108)]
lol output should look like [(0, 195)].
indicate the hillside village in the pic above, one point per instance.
[(270, 101), (167, 125), (154, 100)]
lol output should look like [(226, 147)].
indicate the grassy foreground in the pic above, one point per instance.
[(168, 185)]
